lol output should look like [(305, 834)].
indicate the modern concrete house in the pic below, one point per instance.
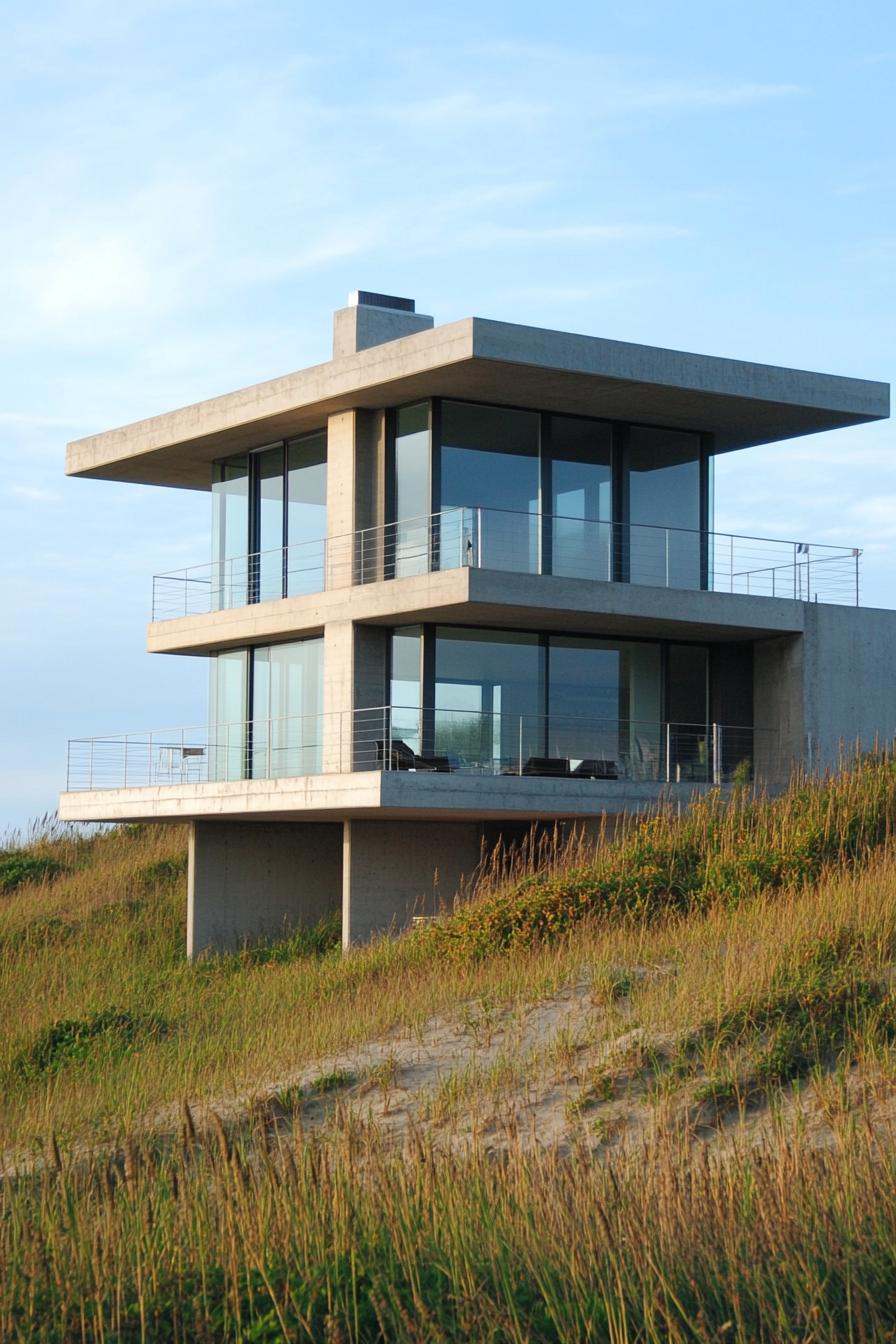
[(464, 578)]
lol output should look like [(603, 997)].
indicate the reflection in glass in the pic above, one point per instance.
[(287, 709), (687, 709), (227, 715), (489, 461), (230, 533), (581, 498), (664, 495), (489, 697), (306, 514), (413, 501), (268, 466), (405, 689)]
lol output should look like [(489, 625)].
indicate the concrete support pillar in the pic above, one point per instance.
[(778, 707), (393, 870), (338, 680), (253, 879)]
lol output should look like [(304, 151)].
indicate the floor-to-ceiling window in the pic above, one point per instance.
[(269, 522), (406, 686), (306, 513), (488, 696), (492, 699), (664, 486), (266, 711), (489, 464), (230, 533), (408, 540), (228, 692), (579, 535), (535, 492)]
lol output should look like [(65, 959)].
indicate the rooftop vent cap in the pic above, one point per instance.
[(366, 298)]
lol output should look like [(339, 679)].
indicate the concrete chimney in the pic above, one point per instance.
[(373, 319)]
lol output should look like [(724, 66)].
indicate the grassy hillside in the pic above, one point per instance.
[(640, 1093)]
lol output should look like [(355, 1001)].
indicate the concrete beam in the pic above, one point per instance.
[(247, 880)]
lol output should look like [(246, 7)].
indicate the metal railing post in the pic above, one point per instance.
[(125, 760), (478, 538), (731, 562), (716, 770), (668, 753), (856, 553), (519, 765)]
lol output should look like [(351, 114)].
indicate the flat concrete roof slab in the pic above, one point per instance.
[(740, 402)]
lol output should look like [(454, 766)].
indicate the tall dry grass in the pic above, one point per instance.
[(345, 1240), (106, 1023)]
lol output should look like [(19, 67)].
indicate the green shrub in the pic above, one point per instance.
[(720, 850), (164, 871), (69, 1040), (17, 867)]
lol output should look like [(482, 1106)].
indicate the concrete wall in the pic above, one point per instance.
[(849, 678), (393, 870), (778, 707), (248, 879)]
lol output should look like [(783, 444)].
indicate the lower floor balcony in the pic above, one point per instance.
[(429, 742)]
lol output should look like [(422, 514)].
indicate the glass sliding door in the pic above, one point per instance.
[(405, 686), (605, 703), (489, 698), (489, 464), (306, 514), (230, 534), (268, 491), (584, 679), (641, 708), (663, 476), (581, 528), (287, 710), (227, 739), (687, 710), (407, 542)]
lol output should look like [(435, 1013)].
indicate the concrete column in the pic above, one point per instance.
[(258, 879), (340, 498), (393, 870), (778, 707)]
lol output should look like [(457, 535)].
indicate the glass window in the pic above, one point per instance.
[(687, 710), (490, 465), (664, 498), (268, 466), (230, 533), (405, 691), (227, 715), (413, 498), (489, 697), (604, 702), (581, 498), (287, 709), (306, 513)]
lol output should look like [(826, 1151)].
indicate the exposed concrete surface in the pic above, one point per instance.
[(490, 597), (251, 879), (741, 402), (393, 870), (372, 793), (849, 678), (778, 704), (364, 325)]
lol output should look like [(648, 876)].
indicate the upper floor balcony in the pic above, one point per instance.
[(522, 543)]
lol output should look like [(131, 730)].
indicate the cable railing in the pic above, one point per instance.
[(427, 741), (520, 543)]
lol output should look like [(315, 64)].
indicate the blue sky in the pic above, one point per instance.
[(192, 188)]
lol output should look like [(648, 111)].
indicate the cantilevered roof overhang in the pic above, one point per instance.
[(741, 403)]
